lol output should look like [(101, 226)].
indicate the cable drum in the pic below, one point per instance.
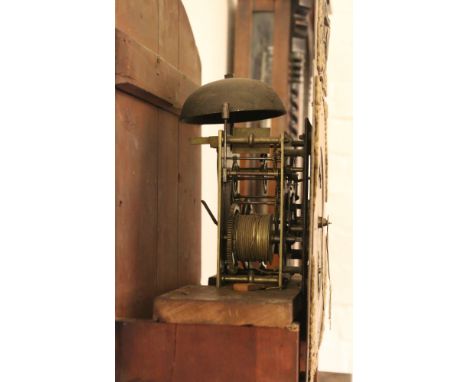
[(252, 238)]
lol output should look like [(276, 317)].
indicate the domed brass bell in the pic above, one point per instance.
[(248, 100)]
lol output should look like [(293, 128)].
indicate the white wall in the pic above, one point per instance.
[(210, 25), (336, 350)]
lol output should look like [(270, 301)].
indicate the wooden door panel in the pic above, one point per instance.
[(137, 208)]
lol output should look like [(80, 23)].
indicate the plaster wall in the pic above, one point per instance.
[(211, 27)]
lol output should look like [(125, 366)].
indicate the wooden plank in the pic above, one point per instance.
[(212, 353), (147, 75), (139, 19), (189, 206), (169, 31), (242, 38), (144, 351), (150, 352), (167, 229), (136, 209), (189, 60), (223, 306)]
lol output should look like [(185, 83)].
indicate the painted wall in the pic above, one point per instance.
[(336, 348), (211, 27)]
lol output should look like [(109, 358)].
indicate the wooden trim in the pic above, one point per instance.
[(146, 75)]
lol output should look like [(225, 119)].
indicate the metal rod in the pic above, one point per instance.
[(272, 203), (209, 212), (225, 115), (256, 141), (264, 140), (225, 153), (257, 170), (256, 197), (281, 227), (250, 158), (305, 198), (296, 228), (291, 152), (251, 278), (251, 172), (297, 143), (295, 169), (250, 177), (289, 239), (218, 269)]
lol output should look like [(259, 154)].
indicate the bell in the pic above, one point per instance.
[(248, 100)]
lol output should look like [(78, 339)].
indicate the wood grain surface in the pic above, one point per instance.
[(158, 173), (136, 207), (158, 352), (225, 306)]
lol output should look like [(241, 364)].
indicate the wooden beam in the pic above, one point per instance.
[(147, 75)]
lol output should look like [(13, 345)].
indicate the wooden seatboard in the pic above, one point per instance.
[(197, 304)]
